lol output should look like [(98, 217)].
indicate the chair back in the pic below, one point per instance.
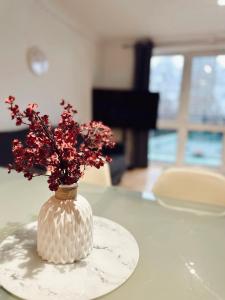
[(99, 177), (192, 184)]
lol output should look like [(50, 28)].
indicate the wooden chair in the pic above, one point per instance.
[(192, 184), (99, 177)]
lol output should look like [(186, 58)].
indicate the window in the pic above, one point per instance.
[(166, 76), (204, 148), (191, 121), (163, 146), (207, 95)]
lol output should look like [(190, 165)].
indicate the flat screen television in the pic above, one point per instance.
[(125, 108)]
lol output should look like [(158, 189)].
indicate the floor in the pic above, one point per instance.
[(141, 179)]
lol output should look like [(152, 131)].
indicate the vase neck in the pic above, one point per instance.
[(66, 192)]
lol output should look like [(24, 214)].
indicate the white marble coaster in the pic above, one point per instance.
[(112, 261)]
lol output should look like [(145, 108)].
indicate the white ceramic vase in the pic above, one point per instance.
[(65, 227)]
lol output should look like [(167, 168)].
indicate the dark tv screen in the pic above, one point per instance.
[(125, 109)]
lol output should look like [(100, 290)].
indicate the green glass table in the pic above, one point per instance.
[(182, 254)]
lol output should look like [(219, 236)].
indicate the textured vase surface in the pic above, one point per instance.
[(65, 227)]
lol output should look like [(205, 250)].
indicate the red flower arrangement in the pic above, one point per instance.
[(64, 151)]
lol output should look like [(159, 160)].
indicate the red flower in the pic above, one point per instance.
[(18, 121), (64, 151), (10, 100), (62, 102), (32, 106)]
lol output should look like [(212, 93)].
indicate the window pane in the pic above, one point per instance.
[(166, 77), (204, 148), (163, 146), (207, 95)]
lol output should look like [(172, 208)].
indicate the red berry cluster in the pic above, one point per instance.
[(63, 151)]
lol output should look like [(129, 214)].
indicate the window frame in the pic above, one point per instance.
[(182, 124)]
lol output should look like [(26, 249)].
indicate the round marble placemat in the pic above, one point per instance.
[(112, 261)]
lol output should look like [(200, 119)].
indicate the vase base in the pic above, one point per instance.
[(46, 260)]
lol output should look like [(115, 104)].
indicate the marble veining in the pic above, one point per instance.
[(113, 259)]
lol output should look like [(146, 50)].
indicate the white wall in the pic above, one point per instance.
[(71, 55), (114, 69), (115, 65), (115, 59)]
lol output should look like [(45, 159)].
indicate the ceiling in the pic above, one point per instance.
[(158, 19)]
